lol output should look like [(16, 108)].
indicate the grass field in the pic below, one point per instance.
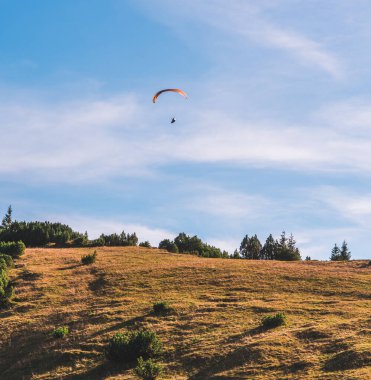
[(215, 330)]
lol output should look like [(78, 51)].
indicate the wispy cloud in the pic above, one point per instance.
[(215, 201), (249, 22), (350, 205), (91, 139)]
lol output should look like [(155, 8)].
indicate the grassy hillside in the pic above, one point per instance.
[(214, 332)]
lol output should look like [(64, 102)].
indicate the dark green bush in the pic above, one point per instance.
[(145, 244), (169, 246), (147, 369), (162, 307), (97, 242), (60, 332), (270, 321), (13, 249), (89, 258), (6, 290), (8, 293), (3, 265), (130, 346), (8, 260), (4, 279), (80, 241)]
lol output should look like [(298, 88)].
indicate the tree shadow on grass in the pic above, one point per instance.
[(101, 371), (221, 363), (236, 358), (133, 322), (74, 266)]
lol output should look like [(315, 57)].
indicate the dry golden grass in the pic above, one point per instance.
[(214, 332)]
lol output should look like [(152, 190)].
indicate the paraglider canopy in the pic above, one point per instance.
[(181, 92)]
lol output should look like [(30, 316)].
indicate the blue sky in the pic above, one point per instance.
[(275, 135)]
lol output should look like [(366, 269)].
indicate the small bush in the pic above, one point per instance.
[(60, 332), (8, 260), (89, 258), (6, 294), (162, 307), (147, 369), (145, 244), (13, 249), (80, 241), (169, 246), (4, 279), (130, 346), (270, 321)]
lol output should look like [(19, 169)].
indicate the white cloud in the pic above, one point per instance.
[(350, 205), (227, 204), (95, 139), (247, 20), (352, 116)]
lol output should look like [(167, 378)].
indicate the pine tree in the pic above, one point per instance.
[(268, 250), (344, 251), (283, 239), (335, 253), (7, 220), (243, 247), (250, 248), (236, 254), (291, 242)]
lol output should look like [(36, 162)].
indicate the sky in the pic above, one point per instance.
[(275, 135)]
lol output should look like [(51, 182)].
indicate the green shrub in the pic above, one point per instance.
[(89, 258), (60, 332), (80, 241), (169, 246), (6, 290), (4, 279), (147, 369), (276, 320), (130, 346), (97, 242), (13, 249), (162, 307), (3, 265), (8, 260)]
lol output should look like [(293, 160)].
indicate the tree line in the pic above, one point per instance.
[(38, 234)]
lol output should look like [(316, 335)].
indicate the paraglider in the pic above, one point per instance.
[(181, 92), (177, 90)]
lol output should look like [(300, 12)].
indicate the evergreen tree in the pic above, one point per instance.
[(7, 220), (291, 242), (283, 239), (269, 248), (335, 253), (344, 251), (236, 255), (285, 249), (250, 248)]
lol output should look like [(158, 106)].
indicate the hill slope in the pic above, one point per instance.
[(214, 333)]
